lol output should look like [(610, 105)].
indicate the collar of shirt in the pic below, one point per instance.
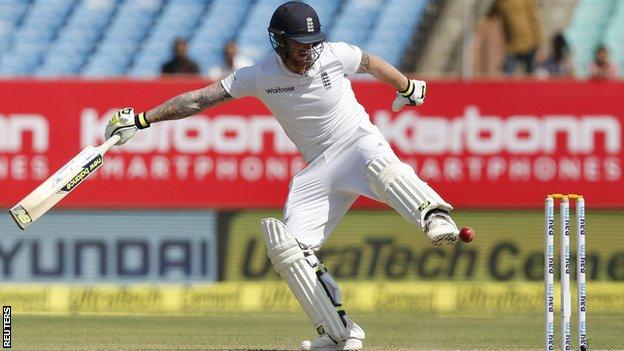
[(308, 74)]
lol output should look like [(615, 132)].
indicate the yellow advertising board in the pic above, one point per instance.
[(429, 297), (380, 245)]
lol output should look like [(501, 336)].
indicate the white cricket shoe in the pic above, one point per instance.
[(440, 229), (325, 343)]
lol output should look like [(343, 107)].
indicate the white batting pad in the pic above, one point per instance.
[(398, 185), (290, 263)]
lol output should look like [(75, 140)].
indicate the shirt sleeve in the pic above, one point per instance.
[(349, 55), (241, 83)]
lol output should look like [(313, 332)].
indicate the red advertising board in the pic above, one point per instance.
[(480, 144)]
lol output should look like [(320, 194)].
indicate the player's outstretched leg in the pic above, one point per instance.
[(396, 183), (314, 288)]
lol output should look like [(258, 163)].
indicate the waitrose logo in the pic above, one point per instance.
[(279, 90)]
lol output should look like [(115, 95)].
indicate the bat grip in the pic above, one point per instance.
[(109, 143)]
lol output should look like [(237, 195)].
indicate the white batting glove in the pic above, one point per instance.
[(414, 95), (125, 123)]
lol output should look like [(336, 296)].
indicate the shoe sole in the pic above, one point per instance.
[(349, 345), (448, 239)]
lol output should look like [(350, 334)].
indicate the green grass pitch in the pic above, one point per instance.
[(285, 331)]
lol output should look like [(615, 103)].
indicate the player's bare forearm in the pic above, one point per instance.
[(189, 103), (383, 71)]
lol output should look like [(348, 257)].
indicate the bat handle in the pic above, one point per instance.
[(109, 143)]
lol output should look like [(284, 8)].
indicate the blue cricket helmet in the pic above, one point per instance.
[(297, 21)]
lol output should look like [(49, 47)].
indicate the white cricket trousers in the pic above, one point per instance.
[(321, 194)]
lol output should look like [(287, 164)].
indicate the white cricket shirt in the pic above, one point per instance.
[(315, 110)]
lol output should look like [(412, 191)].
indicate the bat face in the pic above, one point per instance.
[(85, 171), (60, 184), (56, 187)]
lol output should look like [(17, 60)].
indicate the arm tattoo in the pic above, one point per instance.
[(189, 103), (364, 63)]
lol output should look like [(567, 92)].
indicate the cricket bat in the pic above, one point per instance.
[(60, 184)]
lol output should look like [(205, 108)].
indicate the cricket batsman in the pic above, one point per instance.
[(303, 83)]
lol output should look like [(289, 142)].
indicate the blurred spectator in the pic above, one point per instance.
[(488, 48), (559, 64), (522, 31), (232, 61), (602, 68), (181, 63)]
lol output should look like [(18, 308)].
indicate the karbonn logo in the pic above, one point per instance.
[(279, 90), (84, 173), (488, 135), (408, 132), (14, 128), (223, 134)]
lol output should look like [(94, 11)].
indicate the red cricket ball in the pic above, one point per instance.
[(467, 234)]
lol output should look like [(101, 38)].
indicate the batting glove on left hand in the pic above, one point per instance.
[(125, 123), (414, 95)]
